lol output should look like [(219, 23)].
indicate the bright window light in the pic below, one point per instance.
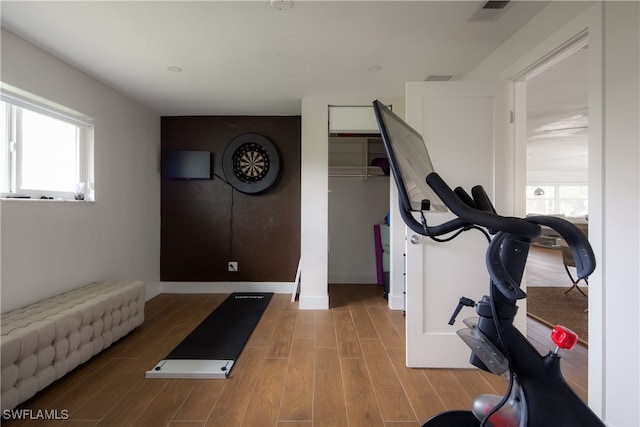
[(46, 150), (49, 155), (558, 199)]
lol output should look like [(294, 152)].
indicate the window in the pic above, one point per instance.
[(47, 149), (558, 199)]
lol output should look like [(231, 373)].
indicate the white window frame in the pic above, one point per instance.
[(11, 180), (556, 199)]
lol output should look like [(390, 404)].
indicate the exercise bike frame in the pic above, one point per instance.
[(545, 398)]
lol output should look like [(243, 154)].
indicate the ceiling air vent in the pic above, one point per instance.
[(438, 78), (489, 11), (495, 4)]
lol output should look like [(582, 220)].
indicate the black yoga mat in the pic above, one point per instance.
[(223, 334)]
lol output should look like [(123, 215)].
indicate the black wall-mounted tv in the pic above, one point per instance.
[(187, 164)]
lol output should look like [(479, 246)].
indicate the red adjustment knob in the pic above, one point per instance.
[(563, 337)]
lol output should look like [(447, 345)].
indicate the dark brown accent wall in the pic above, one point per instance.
[(205, 224)]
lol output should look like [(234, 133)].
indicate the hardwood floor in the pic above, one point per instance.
[(337, 367), (545, 268)]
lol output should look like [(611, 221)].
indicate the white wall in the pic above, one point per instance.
[(49, 247), (614, 108), (355, 205), (529, 38), (314, 172), (621, 214)]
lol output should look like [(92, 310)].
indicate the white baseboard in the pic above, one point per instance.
[(314, 302), (224, 287), (396, 302), (152, 289)]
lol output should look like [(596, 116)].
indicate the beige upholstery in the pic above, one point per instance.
[(42, 342)]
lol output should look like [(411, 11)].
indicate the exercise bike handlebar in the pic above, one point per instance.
[(482, 212)]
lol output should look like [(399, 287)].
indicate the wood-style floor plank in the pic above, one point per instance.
[(392, 398), (109, 395), (280, 345), (264, 404), (339, 367), (325, 329), (162, 409), (297, 397), (363, 409), (362, 321), (197, 406), (329, 405), (422, 395), (452, 393), (386, 330), (77, 397), (305, 325), (133, 403), (230, 408), (265, 329), (186, 424), (348, 343)]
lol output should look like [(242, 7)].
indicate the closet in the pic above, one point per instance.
[(358, 201)]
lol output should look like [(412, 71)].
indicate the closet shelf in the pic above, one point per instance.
[(355, 156), (355, 171)]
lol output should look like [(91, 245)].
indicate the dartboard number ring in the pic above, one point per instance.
[(251, 163)]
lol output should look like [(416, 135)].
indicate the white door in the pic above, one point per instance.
[(466, 127)]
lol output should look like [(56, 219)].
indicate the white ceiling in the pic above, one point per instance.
[(248, 58), (557, 122)]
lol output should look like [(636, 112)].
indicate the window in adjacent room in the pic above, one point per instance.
[(570, 200), (47, 149)]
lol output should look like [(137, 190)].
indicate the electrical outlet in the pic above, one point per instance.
[(232, 266)]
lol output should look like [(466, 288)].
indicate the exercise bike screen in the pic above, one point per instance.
[(409, 160)]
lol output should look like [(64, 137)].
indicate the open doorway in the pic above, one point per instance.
[(557, 179), (358, 199)]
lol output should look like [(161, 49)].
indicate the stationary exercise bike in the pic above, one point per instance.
[(537, 395)]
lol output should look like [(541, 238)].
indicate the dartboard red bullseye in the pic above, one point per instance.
[(251, 163)]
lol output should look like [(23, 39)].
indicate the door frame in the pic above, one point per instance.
[(587, 25), (314, 245), (520, 111)]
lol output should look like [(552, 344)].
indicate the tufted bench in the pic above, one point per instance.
[(40, 343)]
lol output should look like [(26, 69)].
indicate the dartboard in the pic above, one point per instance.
[(251, 163)]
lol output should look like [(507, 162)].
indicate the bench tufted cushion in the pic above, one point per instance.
[(40, 343)]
